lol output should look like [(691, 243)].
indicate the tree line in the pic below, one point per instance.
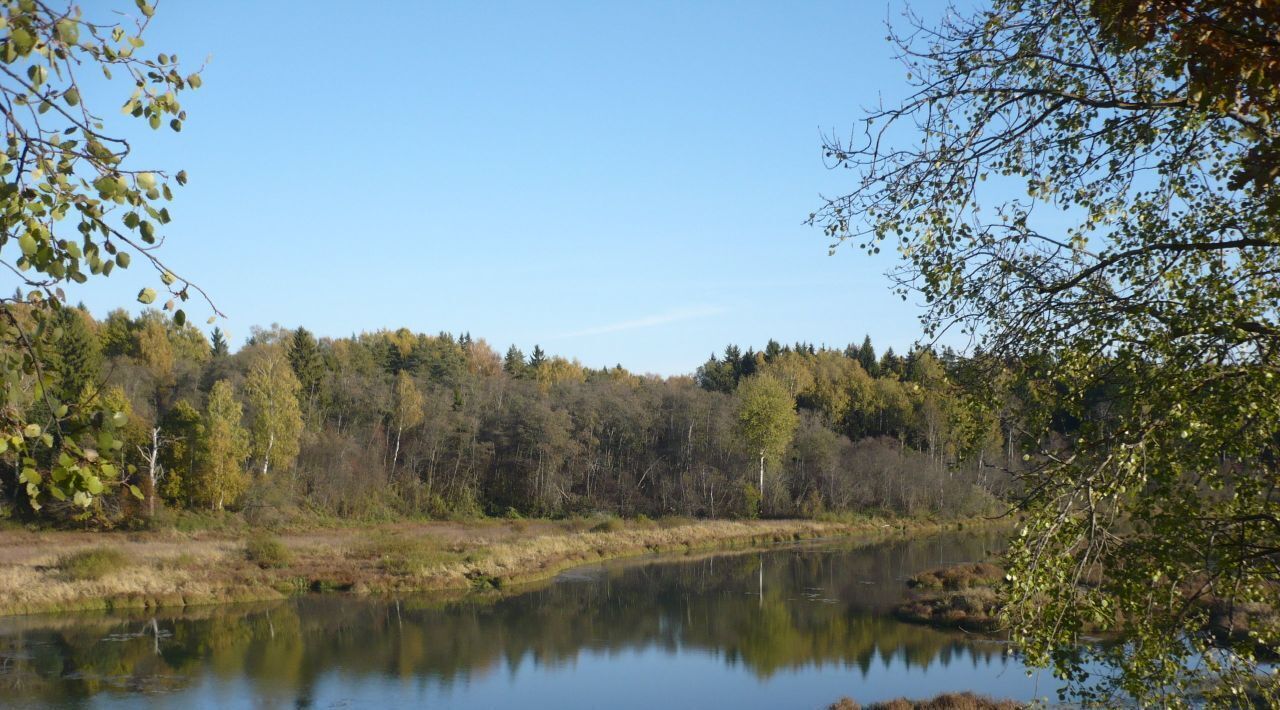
[(396, 423)]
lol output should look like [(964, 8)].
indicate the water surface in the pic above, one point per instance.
[(793, 627)]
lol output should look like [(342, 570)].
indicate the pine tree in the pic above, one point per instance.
[(538, 358), (513, 364), (307, 364), (76, 357), (867, 357), (218, 344)]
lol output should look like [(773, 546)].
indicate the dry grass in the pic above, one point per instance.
[(959, 577), (960, 596), (92, 565), (177, 569), (946, 701)]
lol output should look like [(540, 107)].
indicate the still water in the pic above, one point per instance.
[(793, 627)]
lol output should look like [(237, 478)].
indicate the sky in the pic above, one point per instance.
[(616, 182)]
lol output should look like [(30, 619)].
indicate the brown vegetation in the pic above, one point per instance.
[(946, 701), (177, 569), (959, 596)]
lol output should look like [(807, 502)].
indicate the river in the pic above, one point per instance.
[(792, 627)]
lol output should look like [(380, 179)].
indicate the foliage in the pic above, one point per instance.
[(266, 552), (219, 478), (766, 416), (1088, 188), (275, 416), (73, 209)]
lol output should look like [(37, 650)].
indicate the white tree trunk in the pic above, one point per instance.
[(761, 480), (266, 457), (152, 457)]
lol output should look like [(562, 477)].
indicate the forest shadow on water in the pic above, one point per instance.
[(795, 626)]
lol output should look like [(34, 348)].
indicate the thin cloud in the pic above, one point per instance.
[(675, 316)]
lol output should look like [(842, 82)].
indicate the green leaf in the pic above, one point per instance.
[(137, 493), (147, 296), (22, 41), (68, 31), (122, 259)]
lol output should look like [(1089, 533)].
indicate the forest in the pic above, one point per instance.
[(393, 424)]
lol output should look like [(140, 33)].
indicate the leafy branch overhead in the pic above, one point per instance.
[(1087, 188), (74, 207)]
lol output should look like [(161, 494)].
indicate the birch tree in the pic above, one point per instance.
[(275, 417)]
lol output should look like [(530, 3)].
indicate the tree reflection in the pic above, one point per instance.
[(820, 606)]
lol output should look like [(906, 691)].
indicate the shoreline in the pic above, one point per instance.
[(167, 569)]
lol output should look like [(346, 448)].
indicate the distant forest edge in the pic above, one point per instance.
[(395, 423)]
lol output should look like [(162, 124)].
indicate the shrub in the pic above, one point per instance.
[(92, 564), (266, 551), (608, 525)]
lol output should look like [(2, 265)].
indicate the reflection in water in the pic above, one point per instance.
[(683, 633)]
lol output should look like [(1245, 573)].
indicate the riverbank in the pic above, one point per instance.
[(52, 571)]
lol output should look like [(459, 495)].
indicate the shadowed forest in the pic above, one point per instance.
[(391, 424)]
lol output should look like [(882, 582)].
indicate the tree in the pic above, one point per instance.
[(307, 364), (275, 423), (867, 357), (1147, 131), (73, 206), (538, 357), (766, 418), (513, 364), (77, 357), (224, 445), (408, 412), (218, 344)]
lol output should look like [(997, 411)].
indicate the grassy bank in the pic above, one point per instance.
[(51, 571)]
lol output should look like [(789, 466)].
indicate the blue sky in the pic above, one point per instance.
[(618, 182)]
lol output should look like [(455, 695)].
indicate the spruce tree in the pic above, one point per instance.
[(218, 344), (76, 359)]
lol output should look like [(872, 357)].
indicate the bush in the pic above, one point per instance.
[(266, 551), (92, 564), (608, 525)]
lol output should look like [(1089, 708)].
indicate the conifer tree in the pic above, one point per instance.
[(76, 356), (218, 344), (307, 364)]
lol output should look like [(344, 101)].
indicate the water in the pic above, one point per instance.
[(655, 633)]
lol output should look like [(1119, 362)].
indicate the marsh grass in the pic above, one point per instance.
[(959, 577), (609, 525), (91, 565), (403, 556), (961, 596), (267, 552)]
